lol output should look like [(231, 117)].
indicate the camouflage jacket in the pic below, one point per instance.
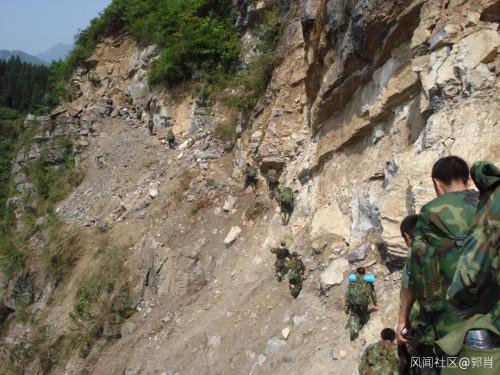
[(479, 267), (441, 228), (296, 268), (297, 265), (379, 359)]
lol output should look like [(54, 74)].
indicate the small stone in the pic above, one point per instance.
[(153, 193), (343, 354), (285, 332), (229, 203), (232, 235)]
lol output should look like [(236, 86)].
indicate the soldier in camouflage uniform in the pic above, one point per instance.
[(479, 267), (282, 256), (286, 202), (251, 177), (170, 138), (296, 269), (441, 227), (360, 293), (151, 125), (272, 183), (380, 358)]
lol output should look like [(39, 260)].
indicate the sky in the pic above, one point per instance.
[(35, 25)]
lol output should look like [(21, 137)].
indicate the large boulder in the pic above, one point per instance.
[(334, 273), (330, 220)]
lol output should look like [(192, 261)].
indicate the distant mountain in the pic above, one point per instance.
[(57, 52), (25, 57)]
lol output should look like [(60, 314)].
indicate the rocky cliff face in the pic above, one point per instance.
[(365, 97), (367, 100)]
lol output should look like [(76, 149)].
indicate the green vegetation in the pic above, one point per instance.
[(249, 83), (11, 259), (197, 41), (102, 302), (63, 249), (52, 184), (226, 130), (195, 37), (349, 6), (26, 87)]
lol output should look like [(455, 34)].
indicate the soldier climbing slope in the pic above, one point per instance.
[(286, 204), (272, 183), (170, 138), (296, 269), (251, 177), (151, 125), (282, 256), (380, 358), (360, 293)]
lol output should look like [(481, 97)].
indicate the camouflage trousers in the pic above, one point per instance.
[(273, 190), (250, 181), (358, 317), (281, 269), (295, 282)]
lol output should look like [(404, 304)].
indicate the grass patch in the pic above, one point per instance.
[(62, 251), (11, 259), (101, 304), (53, 183), (199, 203), (256, 210), (226, 130), (241, 90)]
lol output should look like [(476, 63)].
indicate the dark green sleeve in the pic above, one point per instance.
[(418, 248)]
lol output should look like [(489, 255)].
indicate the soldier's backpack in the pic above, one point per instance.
[(251, 171), (272, 176), (359, 293), (444, 223), (170, 135), (286, 196)]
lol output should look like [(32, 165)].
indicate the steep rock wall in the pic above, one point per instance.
[(387, 88)]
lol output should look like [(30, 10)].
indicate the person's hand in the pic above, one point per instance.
[(375, 307), (401, 339)]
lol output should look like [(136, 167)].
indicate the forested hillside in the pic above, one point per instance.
[(28, 88)]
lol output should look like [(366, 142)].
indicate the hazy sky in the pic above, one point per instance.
[(35, 25)]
